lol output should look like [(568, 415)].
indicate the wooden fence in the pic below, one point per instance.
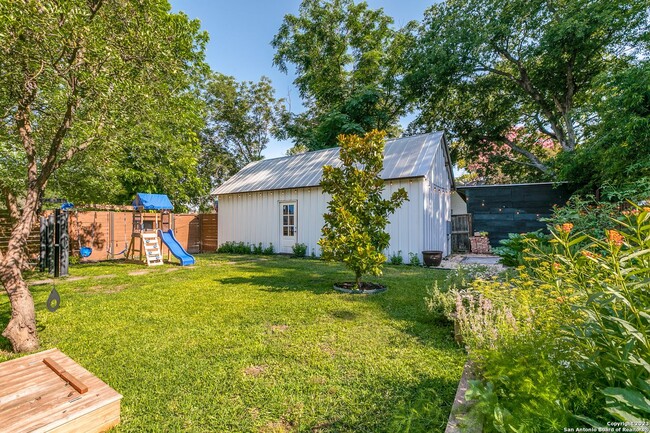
[(108, 233), (33, 242)]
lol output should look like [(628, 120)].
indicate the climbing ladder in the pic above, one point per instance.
[(152, 249)]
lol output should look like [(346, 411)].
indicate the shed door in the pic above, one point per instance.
[(288, 231)]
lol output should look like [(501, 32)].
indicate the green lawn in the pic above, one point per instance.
[(260, 344)]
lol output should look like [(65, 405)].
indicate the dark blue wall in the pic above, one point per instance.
[(503, 209)]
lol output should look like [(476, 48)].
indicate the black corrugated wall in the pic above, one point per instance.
[(503, 209)]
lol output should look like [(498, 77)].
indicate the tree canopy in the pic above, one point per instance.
[(115, 78), (481, 68), (348, 63), (241, 117)]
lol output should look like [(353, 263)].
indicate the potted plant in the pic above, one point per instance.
[(432, 258)]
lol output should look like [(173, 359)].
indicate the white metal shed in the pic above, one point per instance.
[(280, 200)]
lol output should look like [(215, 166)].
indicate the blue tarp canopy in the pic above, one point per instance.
[(152, 201)]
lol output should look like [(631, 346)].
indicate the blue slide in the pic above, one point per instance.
[(176, 249)]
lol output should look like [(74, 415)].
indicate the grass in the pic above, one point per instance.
[(259, 344)]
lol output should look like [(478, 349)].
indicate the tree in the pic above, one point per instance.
[(354, 231), (480, 68), (348, 62), (241, 119), (616, 154), (81, 75)]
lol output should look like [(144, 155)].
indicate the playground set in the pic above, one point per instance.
[(149, 226), (151, 230)]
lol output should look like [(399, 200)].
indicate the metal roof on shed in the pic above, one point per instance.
[(406, 157)]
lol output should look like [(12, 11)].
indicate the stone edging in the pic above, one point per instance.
[(460, 406)]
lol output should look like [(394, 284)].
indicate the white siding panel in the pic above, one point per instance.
[(254, 218), (437, 208)]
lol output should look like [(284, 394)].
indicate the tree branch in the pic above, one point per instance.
[(531, 157)]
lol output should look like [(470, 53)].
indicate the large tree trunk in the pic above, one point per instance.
[(21, 329)]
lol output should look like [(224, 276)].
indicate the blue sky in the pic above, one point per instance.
[(241, 32)]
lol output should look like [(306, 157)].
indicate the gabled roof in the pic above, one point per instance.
[(152, 201), (406, 157)]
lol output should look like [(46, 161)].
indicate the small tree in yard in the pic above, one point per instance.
[(354, 231)]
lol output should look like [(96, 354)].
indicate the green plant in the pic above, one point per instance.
[(512, 249), (441, 303), (354, 231), (576, 316), (299, 250), (269, 250), (414, 260), (235, 248), (258, 249), (586, 215), (396, 258)]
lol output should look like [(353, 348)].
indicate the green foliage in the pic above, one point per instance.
[(396, 258), (414, 260), (480, 68), (269, 250), (617, 154), (354, 231), (441, 299), (107, 92), (563, 343), (231, 247), (258, 249), (585, 215), (299, 250), (512, 249), (349, 66)]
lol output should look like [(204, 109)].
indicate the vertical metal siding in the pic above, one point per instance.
[(437, 207), (254, 218)]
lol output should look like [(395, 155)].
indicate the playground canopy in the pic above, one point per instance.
[(152, 201)]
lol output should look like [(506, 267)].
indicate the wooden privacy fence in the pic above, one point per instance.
[(109, 233), (33, 242)]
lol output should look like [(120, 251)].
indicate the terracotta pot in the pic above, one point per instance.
[(432, 258)]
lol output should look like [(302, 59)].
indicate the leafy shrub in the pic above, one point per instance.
[(586, 214), (512, 249), (396, 259), (299, 250), (269, 250), (564, 342), (414, 260), (258, 249), (231, 247)]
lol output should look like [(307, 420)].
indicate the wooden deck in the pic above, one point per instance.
[(34, 398)]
